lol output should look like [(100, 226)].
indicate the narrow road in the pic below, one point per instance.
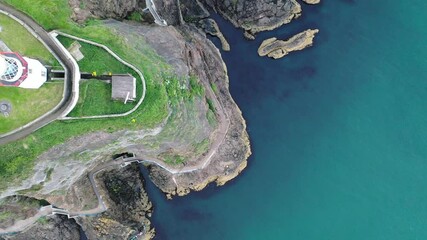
[(70, 69)]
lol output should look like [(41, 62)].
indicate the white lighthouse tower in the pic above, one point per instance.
[(18, 71)]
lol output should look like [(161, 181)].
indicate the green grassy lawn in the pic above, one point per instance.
[(96, 59), (95, 95), (51, 14), (18, 39), (28, 104), (95, 99)]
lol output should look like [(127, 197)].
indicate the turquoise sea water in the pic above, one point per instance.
[(338, 131)]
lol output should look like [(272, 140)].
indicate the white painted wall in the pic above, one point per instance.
[(37, 74)]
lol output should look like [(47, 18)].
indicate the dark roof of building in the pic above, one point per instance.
[(122, 85)]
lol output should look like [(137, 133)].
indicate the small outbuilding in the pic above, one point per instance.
[(123, 87)]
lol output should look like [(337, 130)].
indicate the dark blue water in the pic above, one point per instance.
[(338, 133)]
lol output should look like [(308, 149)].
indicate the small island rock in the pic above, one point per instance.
[(279, 48), (311, 1)]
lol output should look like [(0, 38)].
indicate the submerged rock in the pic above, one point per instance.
[(279, 48)]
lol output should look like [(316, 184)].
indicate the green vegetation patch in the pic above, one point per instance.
[(43, 220), (96, 59), (51, 14), (135, 16), (174, 159), (201, 147), (5, 215), (19, 39), (28, 104), (214, 87), (95, 99), (211, 113), (95, 95), (178, 90)]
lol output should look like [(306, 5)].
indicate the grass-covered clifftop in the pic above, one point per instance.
[(18, 157)]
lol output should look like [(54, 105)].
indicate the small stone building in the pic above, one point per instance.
[(123, 87)]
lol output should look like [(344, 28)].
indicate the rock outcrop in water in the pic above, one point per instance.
[(211, 27), (278, 48), (312, 1)]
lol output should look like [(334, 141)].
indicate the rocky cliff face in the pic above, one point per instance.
[(256, 15), (128, 213), (129, 208), (117, 9), (53, 227), (251, 15)]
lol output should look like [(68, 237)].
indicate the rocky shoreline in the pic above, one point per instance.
[(190, 53)]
